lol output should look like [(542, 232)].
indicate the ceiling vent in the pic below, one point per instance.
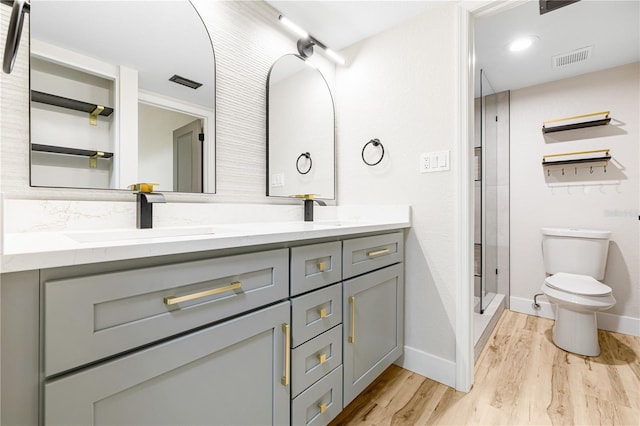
[(185, 81), (573, 57)]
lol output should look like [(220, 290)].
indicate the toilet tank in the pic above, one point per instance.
[(576, 251)]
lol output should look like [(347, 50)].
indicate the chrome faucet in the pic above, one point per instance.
[(145, 199)]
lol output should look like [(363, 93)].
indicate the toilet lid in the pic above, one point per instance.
[(578, 284)]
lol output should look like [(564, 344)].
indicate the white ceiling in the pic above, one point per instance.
[(611, 27)]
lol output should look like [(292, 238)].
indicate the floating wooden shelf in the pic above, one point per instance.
[(92, 109), (577, 125)]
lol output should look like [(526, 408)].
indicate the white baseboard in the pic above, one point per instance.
[(431, 366), (619, 323), (606, 321)]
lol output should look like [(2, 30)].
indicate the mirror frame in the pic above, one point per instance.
[(101, 69), (268, 145)]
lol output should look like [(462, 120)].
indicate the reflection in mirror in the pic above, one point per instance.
[(104, 113), (300, 117)]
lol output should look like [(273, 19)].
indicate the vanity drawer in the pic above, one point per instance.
[(319, 404), (312, 360), (315, 266), (366, 254), (96, 316), (315, 313)]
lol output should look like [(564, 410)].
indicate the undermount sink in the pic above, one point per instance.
[(136, 234)]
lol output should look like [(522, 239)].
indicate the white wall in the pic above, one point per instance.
[(400, 86), (600, 200)]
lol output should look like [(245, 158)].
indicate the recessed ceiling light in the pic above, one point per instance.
[(521, 43)]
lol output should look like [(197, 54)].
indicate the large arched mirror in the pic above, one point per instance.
[(300, 130), (121, 92)]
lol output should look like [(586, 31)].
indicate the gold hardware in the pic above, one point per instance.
[(322, 266), (172, 300), (287, 349), (322, 358), (93, 115), (323, 407), (377, 252), (352, 302), (605, 113), (93, 160), (322, 312), (304, 196), (143, 187), (606, 152)]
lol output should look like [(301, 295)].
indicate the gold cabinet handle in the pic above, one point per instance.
[(352, 302), (173, 300), (377, 252), (322, 358), (322, 266), (287, 357), (323, 407), (322, 312)]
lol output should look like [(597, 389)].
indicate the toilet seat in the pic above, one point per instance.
[(582, 285)]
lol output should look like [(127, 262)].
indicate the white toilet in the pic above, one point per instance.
[(575, 259)]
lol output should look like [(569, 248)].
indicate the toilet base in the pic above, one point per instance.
[(576, 331)]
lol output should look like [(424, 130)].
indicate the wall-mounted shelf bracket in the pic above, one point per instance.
[(92, 109), (93, 115), (576, 122)]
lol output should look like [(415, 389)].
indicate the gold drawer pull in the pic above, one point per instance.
[(322, 312), (323, 407), (287, 353), (352, 302), (173, 300), (377, 252), (322, 358), (322, 266)]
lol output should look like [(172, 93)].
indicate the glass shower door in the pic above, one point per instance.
[(486, 198)]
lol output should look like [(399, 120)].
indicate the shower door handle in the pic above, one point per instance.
[(20, 7)]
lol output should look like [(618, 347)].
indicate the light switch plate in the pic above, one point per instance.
[(436, 161)]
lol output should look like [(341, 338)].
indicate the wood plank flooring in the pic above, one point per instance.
[(521, 378)]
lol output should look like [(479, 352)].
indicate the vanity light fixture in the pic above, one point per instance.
[(293, 27), (521, 43), (185, 81), (307, 41)]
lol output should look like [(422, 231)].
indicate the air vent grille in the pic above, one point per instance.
[(573, 57)]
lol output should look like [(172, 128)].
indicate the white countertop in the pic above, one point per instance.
[(36, 250)]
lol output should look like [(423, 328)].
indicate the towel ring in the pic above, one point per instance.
[(308, 157), (375, 142)]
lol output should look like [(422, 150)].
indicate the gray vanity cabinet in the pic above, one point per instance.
[(316, 357), (227, 374), (373, 314)]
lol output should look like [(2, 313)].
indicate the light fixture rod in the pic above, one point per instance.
[(293, 27), (305, 35)]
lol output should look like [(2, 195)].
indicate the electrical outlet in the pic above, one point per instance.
[(277, 180), (425, 163)]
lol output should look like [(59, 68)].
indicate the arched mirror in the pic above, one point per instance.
[(121, 92), (300, 130)]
